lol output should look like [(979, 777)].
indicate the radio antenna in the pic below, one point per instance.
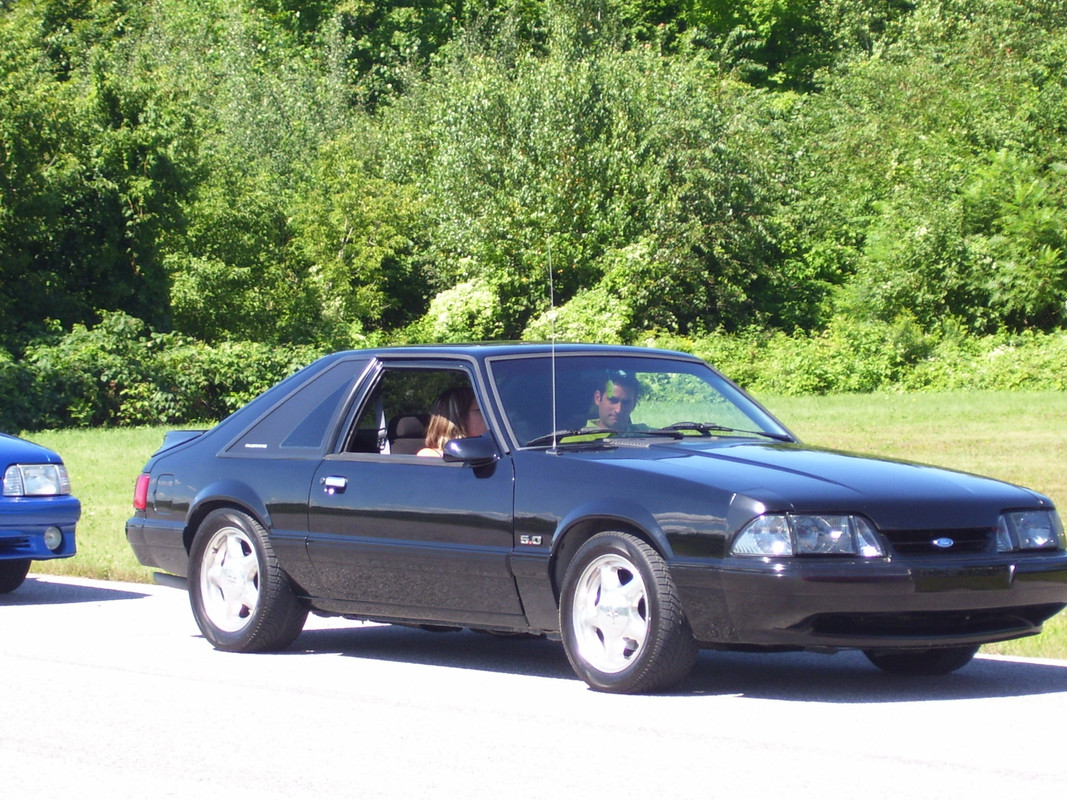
[(552, 321)]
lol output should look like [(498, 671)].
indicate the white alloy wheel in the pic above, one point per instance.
[(229, 579), (610, 613), (621, 619), (241, 597)]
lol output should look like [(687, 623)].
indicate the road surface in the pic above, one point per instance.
[(108, 690)]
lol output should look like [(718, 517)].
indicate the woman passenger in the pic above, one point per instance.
[(455, 415)]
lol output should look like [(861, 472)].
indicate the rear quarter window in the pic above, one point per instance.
[(299, 425)]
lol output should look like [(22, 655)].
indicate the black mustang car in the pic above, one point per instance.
[(634, 503)]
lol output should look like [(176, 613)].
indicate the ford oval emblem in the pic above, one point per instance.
[(943, 542)]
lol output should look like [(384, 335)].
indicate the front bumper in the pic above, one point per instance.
[(804, 603), (23, 522)]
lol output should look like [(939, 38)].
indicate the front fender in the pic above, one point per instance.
[(611, 513)]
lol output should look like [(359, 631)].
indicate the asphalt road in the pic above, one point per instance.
[(108, 690)]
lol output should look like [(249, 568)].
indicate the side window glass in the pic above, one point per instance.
[(396, 417), (298, 426)]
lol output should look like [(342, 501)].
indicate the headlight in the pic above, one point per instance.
[(778, 535), (23, 480), (1030, 530)]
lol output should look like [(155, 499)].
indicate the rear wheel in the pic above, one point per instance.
[(13, 573), (241, 598), (935, 661), (622, 622)]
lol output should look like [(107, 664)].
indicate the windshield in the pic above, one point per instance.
[(619, 395)]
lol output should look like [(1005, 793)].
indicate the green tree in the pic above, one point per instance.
[(87, 178), (787, 43), (356, 234), (572, 157), (899, 202), (258, 113)]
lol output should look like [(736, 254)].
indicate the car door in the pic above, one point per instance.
[(408, 537)]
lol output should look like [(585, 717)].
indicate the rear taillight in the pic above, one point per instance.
[(140, 492)]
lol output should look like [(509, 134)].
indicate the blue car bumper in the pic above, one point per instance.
[(24, 520)]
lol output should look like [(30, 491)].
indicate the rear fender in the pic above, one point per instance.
[(224, 494)]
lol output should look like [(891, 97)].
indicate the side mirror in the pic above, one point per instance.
[(477, 451)]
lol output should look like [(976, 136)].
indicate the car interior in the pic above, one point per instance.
[(394, 417)]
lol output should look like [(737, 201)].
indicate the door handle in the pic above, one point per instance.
[(334, 484)]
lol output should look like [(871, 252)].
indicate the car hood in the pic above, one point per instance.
[(894, 494), (14, 450)]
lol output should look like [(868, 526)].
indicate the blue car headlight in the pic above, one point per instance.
[(1030, 530), (779, 535), (36, 480)]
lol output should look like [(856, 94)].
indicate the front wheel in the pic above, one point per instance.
[(622, 622), (935, 661), (241, 598), (13, 573)]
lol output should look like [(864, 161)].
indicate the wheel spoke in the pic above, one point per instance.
[(633, 591), (247, 599), (609, 577), (234, 551)]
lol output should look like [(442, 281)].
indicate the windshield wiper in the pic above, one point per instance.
[(708, 428), (555, 436), (602, 434)]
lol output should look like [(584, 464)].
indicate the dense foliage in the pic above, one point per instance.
[(820, 195)]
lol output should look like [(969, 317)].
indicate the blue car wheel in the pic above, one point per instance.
[(13, 573)]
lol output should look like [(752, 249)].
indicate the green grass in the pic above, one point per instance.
[(1020, 437)]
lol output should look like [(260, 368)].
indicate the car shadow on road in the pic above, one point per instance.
[(39, 590), (801, 677), (848, 677), (519, 655)]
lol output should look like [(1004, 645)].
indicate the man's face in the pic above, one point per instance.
[(614, 405)]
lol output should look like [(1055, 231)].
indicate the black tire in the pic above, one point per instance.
[(13, 573), (935, 661), (622, 622), (241, 598)]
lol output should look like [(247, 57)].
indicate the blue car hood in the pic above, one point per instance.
[(18, 451)]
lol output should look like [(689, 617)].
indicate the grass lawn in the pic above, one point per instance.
[(1020, 437)]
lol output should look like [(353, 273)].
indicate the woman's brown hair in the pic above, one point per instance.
[(447, 415)]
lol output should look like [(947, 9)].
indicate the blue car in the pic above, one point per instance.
[(37, 511)]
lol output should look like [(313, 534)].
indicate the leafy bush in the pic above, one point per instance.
[(121, 373), (468, 312), (862, 357), (16, 410), (593, 315)]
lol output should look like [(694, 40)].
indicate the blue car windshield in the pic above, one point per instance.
[(620, 395)]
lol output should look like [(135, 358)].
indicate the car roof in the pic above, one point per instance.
[(486, 350)]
